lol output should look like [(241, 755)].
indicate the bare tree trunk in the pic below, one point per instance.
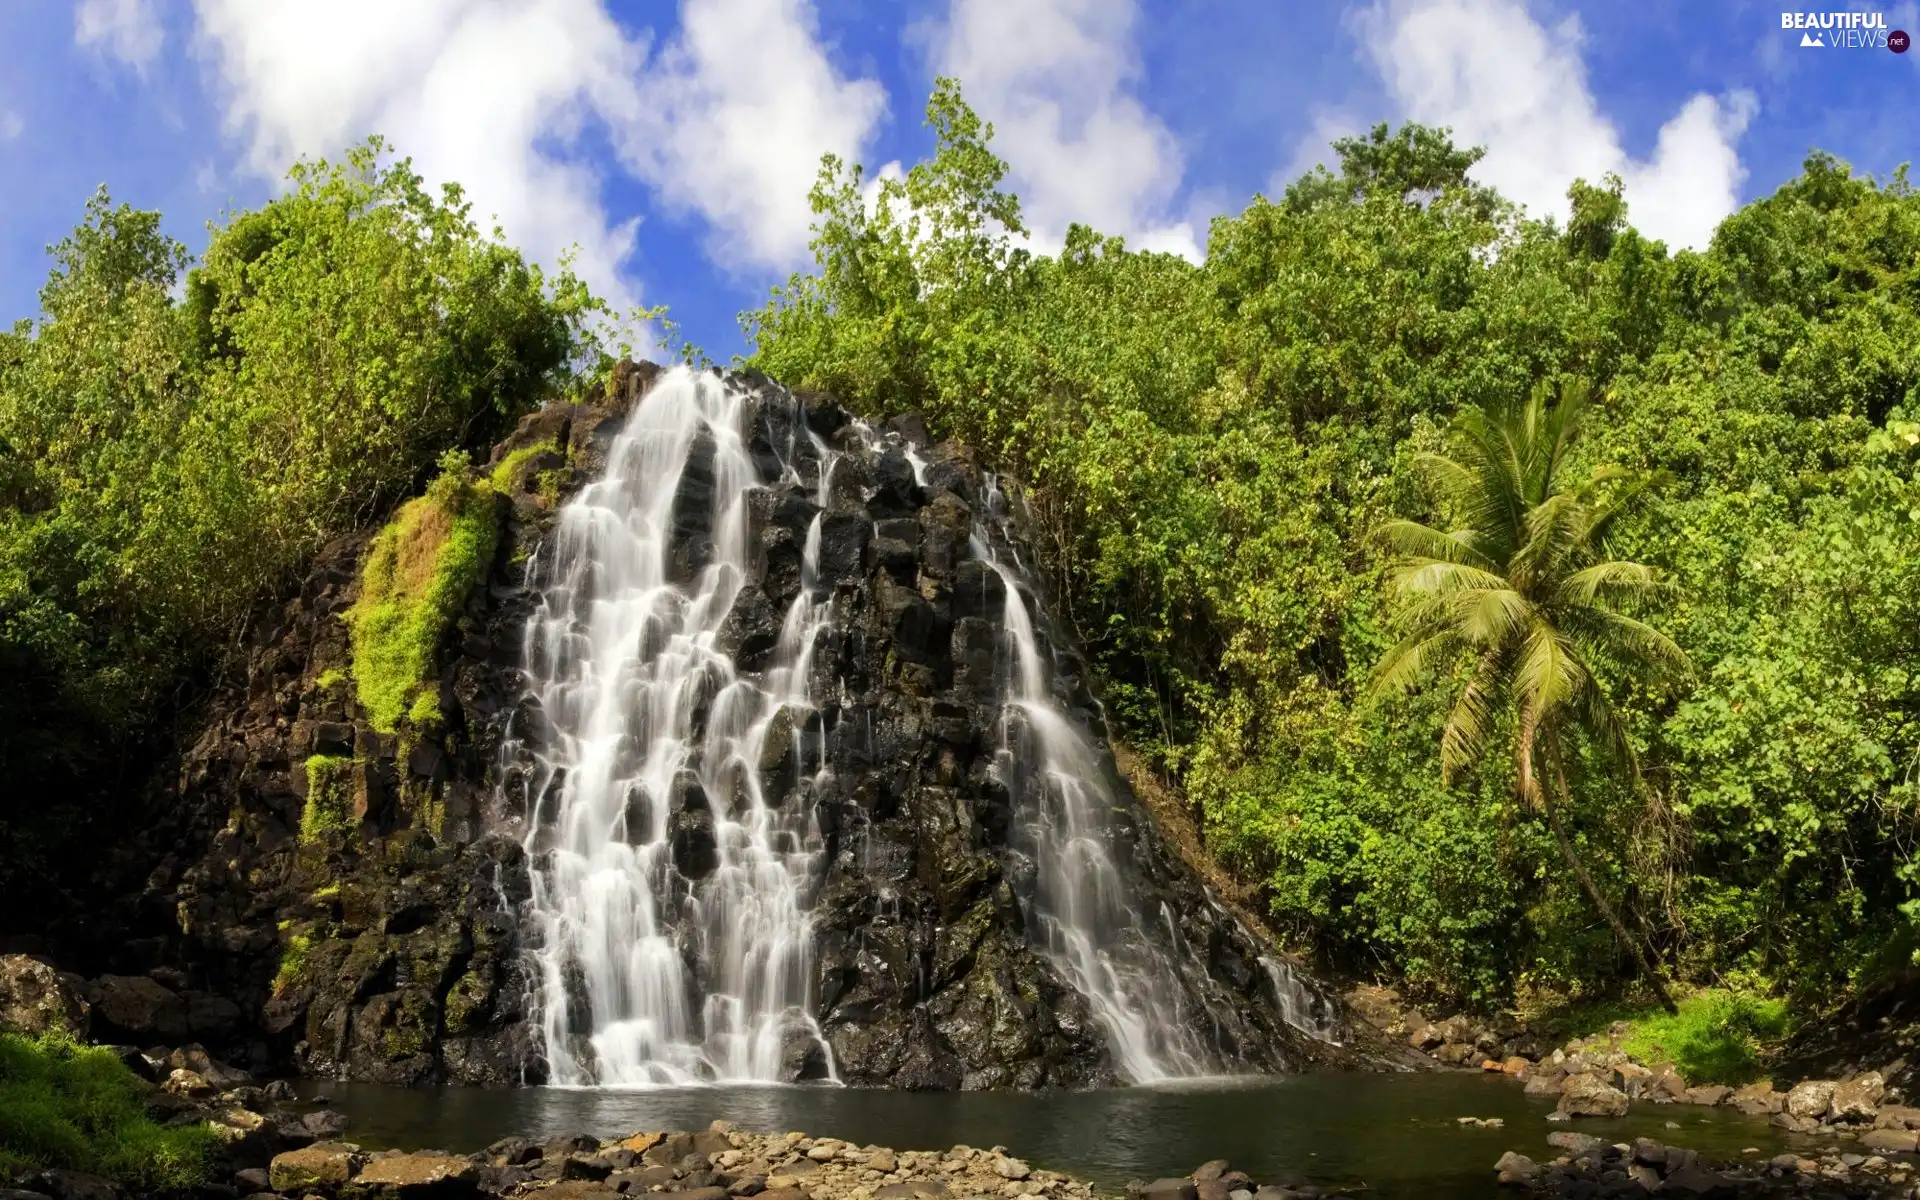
[(1633, 944)]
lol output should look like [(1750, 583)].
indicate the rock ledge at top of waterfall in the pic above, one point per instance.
[(763, 761)]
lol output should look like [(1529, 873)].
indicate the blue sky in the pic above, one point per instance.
[(673, 142)]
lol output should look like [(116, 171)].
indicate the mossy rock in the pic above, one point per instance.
[(419, 571)]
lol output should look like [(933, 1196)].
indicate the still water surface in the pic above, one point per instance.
[(1385, 1135)]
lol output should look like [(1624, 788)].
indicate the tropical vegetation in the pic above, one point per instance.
[(1597, 734), (1722, 670)]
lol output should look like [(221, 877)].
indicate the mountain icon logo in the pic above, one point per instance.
[(1811, 39)]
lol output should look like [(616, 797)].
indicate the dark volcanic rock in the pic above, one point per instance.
[(390, 950)]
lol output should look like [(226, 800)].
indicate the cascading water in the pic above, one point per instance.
[(1082, 905), (676, 779), (668, 896)]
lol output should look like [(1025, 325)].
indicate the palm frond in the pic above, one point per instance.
[(1548, 672), (1430, 577), (1414, 540), (1490, 616), (1465, 733), (1409, 664), (1603, 724), (1632, 643), (1612, 580)]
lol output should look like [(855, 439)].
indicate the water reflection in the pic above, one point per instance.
[(1396, 1136)]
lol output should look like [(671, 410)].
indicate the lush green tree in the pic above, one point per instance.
[(166, 462), (1523, 589)]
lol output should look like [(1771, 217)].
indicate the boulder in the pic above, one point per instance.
[(1858, 1099), (1897, 1116), (323, 1166), (1900, 1141), (1758, 1099), (1591, 1096), (140, 1008), (34, 999), (1707, 1096), (1811, 1099), (1664, 1085), (1546, 1081), (1011, 1168), (1515, 1170), (1575, 1143), (419, 1174), (74, 1185), (191, 1084)]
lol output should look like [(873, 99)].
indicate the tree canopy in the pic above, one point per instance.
[(1208, 446), (176, 438)]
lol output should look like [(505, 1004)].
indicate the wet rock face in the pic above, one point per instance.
[(393, 951), (386, 951)]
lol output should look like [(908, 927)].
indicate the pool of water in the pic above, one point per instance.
[(1389, 1135)]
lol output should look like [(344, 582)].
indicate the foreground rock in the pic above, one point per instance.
[(716, 1163), (1589, 1167)]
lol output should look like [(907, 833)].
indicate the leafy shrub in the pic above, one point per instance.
[(167, 460), (79, 1108)]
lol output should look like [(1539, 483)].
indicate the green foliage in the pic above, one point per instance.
[(167, 460), (418, 573), (1207, 447), (293, 957), (79, 1108), (1717, 1036), (328, 805), (506, 475)]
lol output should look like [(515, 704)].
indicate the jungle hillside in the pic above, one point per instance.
[(1527, 612)]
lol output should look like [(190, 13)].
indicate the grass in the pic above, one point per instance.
[(417, 576), (327, 806), (79, 1108), (1718, 1036)]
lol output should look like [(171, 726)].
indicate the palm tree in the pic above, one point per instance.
[(1523, 589)]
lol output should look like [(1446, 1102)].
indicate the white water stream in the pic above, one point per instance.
[(649, 716), (654, 760)]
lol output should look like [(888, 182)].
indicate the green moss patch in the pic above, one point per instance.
[(329, 806), (79, 1108), (505, 478), (293, 959), (418, 573)]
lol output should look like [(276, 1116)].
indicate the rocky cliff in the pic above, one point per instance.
[(389, 947)]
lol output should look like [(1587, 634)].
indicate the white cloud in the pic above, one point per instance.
[(12, 125), (733, 118), (127, 29), (1053, 76), (497, 94), (1501, 80)]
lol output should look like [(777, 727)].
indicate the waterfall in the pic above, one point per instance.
[(657, 843), (679, 768), (1082, 903)]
